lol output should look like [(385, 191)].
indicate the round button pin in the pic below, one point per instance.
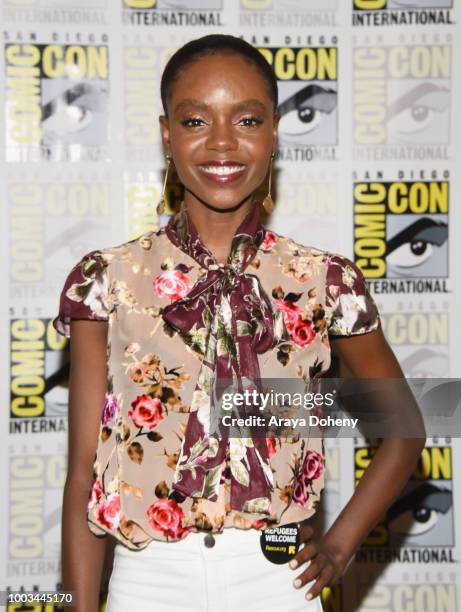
[(280, 544), (209, 540)]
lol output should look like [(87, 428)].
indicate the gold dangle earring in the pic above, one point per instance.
[(268, 202), (162, 201)]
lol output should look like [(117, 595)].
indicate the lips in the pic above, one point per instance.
[(222, 172)]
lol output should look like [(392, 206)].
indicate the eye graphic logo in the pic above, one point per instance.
[(417, 248), (308, 94), (418, 114), (304, 111), (57, 102), (401, 229), (72, 110), (402, 95), (423, 513)]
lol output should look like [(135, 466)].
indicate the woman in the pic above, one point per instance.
[(210, 298)]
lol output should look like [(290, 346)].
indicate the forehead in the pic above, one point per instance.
[(224, 75)]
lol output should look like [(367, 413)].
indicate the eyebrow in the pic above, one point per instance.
[(252, 103)]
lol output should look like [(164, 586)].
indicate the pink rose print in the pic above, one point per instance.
[(291, 313), (165, 515), (268, 242), (172, 284), (300, 495), (312, 465), (95, 493), (108, 513), (311, 470), (271, 448), (303, 333), (111, 409), (146, 411)]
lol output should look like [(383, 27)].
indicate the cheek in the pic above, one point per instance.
[(183, 151), (260, 154)]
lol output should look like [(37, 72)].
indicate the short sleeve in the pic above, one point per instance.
[(350, 308), (85, 293)]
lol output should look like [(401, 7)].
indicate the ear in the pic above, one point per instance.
[(275, 132), (165, 132)]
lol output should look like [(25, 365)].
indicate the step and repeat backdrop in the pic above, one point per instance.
[(368, 166)]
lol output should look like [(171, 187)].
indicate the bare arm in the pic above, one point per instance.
[(83, 552), (364, 356)]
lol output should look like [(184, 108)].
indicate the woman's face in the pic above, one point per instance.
[(221, 130)]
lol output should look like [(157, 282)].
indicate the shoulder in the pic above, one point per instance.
[(298, 255), (278, 244), (86, 293), (349, 307), (107, 257)]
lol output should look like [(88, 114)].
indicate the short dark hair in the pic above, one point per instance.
[(215, 44)]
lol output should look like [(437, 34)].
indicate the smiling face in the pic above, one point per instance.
[(220, 130)]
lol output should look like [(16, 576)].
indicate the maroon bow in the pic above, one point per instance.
[(228, 319)]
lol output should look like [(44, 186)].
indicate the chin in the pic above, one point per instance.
[(223, 199)]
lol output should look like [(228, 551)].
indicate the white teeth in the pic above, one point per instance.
[(222, 170)]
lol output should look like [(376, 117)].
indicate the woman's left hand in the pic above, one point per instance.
[(325, 564)]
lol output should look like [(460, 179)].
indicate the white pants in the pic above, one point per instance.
[(232, 576)]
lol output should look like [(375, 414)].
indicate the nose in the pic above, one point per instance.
[(222, 137)]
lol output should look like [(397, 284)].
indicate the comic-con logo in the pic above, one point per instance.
[(307, 79), (415, 595), (33, 499), (38, 370), (307, 196), (401, 229), (172, 12), (142, 68), (401, 95), (422, 515), (56, 102), (420, 340), (52, 224), (401, 12)]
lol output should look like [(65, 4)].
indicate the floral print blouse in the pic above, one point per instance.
[(152, 377)]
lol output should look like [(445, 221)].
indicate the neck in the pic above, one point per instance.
[(216, 228)]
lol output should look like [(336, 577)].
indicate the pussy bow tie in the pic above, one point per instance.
[(228, 318)]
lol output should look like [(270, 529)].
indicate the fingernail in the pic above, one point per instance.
[(297, 583), (308, 595), (293, 564)]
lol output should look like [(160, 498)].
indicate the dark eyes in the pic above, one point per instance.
[(251, 121), (191, 122), (245, 121)]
